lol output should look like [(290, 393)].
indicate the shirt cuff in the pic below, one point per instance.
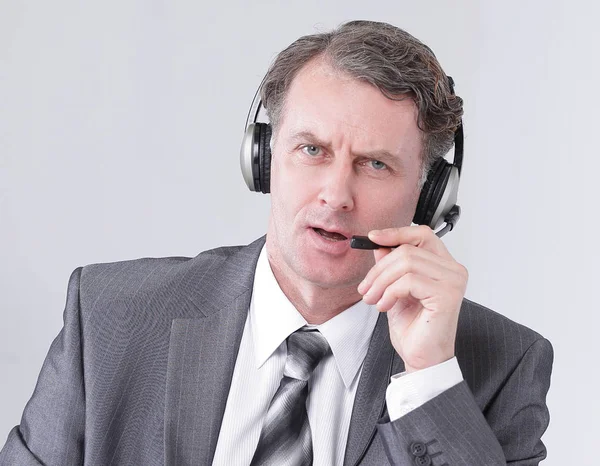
[(407, 392)]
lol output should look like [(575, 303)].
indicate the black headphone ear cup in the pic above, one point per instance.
[(436, 198), (432, 192), (264, 155)]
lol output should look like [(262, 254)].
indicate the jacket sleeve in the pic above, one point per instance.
[(52, 426), (451, 429)]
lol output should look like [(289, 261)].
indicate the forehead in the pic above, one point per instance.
[(328, 102)]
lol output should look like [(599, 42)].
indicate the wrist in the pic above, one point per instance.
[(408, 369)]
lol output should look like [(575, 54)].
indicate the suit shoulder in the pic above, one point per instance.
[(123, 279), (490, 347), (480, 325)]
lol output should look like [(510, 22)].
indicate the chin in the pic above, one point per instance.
[(329, 276)]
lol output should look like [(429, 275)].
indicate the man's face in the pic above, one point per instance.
[(345, 159)]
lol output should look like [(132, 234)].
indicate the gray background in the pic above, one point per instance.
[(120, 126)]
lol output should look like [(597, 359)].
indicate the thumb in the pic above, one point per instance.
[(387, 236)]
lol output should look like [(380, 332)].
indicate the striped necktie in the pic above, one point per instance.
[(285, 439)]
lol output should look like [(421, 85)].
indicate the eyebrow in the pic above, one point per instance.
[(380, 154)]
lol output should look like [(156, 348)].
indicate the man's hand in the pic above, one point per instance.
[(421, 287)]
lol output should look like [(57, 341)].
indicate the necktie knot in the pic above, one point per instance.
[(306, 348)]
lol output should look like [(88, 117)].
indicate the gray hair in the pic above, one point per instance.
[(387, 57)]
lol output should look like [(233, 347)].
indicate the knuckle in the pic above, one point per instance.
[(405, 251), (380, 306), (404, 268), (410, 256), (409, 264), (396, 288), (464, 272), (409, 278)]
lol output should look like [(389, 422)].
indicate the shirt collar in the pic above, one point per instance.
[(273, 318)]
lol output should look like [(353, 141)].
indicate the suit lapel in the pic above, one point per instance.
[(202, 354), (380, 363)]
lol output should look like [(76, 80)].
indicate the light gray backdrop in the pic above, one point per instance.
[(120, 125)]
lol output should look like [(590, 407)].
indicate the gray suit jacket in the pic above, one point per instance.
[(140, 373)]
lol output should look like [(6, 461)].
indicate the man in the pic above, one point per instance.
[(297, 349)]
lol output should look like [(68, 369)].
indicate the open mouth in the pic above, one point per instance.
[(331, 236)]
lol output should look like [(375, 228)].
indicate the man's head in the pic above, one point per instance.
[(359, 115)]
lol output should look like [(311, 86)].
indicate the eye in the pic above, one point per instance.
[(377, 165), (311, 150)]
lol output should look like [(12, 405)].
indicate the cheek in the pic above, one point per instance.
[(287, 173), (290, 190), (387, 208)]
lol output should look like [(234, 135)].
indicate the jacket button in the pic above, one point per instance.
[(423, 460), (418, 449)]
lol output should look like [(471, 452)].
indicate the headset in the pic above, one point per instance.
[(437, 200)]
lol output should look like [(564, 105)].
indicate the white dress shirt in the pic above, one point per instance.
[(332, 387)]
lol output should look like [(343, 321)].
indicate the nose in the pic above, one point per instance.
[(336, 192)]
